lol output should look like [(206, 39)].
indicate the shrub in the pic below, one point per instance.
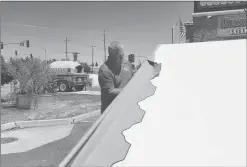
[(32, 74)]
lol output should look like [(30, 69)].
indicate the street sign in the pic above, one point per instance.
[(232, 25), (210, 6)]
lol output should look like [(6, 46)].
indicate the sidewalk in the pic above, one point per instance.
[(50, 154)]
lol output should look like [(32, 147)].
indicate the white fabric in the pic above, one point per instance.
[(197, 116)]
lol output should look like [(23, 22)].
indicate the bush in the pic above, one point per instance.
[(32, 74)]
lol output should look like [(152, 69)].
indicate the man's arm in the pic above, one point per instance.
[(106, 83)]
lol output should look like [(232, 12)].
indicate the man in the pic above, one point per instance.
[(114, 74)]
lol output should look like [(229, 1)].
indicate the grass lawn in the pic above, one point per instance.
[(66, 106)]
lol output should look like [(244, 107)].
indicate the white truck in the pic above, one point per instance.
[(69, 75)]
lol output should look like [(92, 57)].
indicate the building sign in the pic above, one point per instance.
[(210, 6), (232, 26)]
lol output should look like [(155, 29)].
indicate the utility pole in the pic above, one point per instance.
[(172, 35), (104, 46), (92, 57), (139, 55), (0, 59), (45, 55), (66, 49)]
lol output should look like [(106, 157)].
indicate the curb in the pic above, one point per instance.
[(85, 116), (52, 122), (8, 126), (38, 123), (92, 93)]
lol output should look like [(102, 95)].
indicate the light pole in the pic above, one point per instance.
[(92, 57), (173, 32), (203, 29)]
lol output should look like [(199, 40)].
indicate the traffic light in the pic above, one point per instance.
[(131, 58), (16, 52), (1, 45), (27, 43)]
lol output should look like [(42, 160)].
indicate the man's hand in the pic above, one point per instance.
[(157, 69), (115, 91)]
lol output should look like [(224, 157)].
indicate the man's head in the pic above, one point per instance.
[(116, 53)]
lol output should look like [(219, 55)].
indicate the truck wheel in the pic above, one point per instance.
[(63, 86), (79, 88)]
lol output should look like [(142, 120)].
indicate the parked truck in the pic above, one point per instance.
[(69, 75)]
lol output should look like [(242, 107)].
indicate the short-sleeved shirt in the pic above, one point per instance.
[(108, 81)]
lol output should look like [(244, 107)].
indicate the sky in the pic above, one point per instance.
[(139, 26)]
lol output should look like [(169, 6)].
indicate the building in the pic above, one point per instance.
[(217, 20)]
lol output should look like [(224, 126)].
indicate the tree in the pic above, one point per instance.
[(86, 67), (6, 77)]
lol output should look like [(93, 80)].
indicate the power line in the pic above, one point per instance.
[(47, 27)]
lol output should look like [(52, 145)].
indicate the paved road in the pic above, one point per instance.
[(50, 154)]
